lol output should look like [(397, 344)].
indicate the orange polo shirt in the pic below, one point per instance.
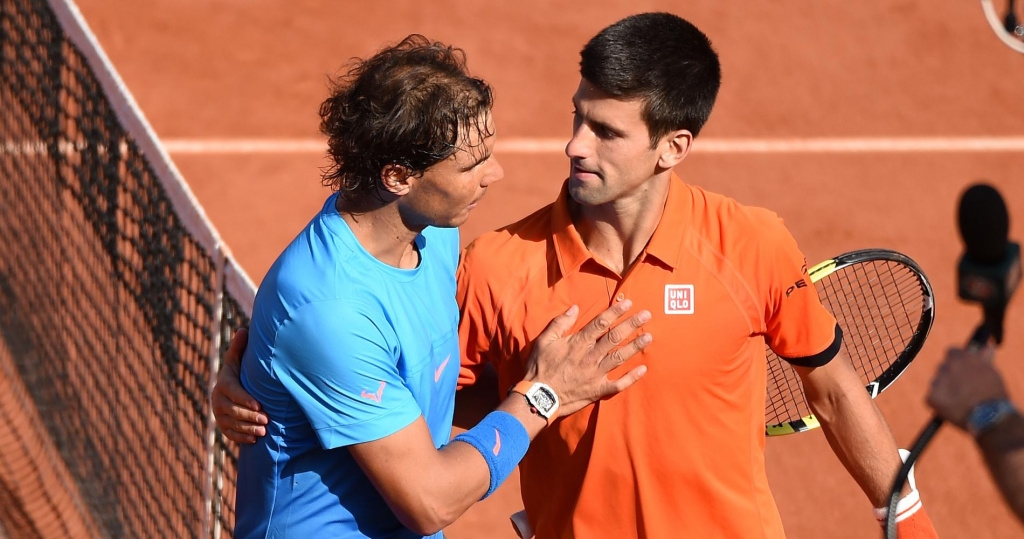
[(681, 453)]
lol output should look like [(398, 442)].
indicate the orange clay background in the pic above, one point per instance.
[(793, 70)]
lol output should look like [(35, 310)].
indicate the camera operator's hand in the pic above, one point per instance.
[(964, 380)]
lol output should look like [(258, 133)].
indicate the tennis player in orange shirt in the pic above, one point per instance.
[(682, 453)]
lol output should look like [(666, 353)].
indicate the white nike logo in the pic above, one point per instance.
[(437, 373)]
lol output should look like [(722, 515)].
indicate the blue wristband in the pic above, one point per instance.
[(502, 440)]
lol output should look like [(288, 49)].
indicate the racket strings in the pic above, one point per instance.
[(879, 305), (785, 399)]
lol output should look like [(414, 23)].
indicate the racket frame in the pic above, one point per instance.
[(1012, 40), (900, 364)]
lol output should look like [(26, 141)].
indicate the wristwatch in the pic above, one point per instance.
[(988, 414), (540, 397)]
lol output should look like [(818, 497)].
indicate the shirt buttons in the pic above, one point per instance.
[(620, 296)]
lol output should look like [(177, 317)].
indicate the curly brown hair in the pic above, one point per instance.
[(405, 105)]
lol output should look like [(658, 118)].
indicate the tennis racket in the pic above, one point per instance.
[(884, 304), (1002, 16)]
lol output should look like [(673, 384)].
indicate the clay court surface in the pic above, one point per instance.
[(860, 124)]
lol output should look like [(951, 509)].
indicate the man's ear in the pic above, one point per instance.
[(395, 179), (674, 147)]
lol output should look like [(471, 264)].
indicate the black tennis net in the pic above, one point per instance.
[(116, 300)]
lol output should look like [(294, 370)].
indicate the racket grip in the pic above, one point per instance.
[(521, 525)]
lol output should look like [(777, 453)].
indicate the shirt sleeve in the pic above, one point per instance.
[(341, 367), (798, 327)]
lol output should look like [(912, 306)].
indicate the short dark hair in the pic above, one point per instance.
[(405, 105), (662, 60)]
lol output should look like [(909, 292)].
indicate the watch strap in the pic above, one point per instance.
[(522, 387)]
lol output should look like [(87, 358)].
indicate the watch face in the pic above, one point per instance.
[(543, 399)]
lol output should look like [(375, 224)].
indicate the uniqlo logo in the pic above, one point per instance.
[(679, 299)]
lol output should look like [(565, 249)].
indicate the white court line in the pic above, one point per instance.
[(513, 145), (556, 146)]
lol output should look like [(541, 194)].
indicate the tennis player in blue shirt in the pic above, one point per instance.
[(353, 351)]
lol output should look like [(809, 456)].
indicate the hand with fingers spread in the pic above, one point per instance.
[(237, 413), (576, 365)]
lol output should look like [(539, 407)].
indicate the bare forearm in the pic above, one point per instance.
[(430, 492), (467, 476), (1003, 449), (437, 492), (853, 426), (863, 443), (433, 500)]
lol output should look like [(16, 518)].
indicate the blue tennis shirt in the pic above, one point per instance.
[(343, 349)]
